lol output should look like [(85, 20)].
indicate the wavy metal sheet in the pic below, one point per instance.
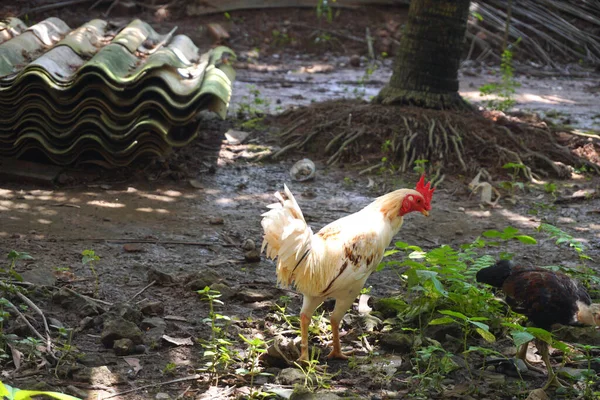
[(119, 93)]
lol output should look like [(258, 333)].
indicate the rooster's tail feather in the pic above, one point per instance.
[(286, 236)]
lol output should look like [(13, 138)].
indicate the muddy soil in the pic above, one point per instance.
[(172, 233)]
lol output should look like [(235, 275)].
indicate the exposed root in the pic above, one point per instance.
[(464, 142)]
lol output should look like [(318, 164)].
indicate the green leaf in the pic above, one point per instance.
[(491, 234), (480, 325), (541, 334), (441, 321), (486, 335), (526, 239), (390, 252), (9, 393), (521, 337), (454, 314)]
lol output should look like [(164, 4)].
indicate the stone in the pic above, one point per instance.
[(216, 221), (40, 276), (70, 301), (153, 308), (75, 391), (161, 278), (399, 342), (249, 245), (92, 360), (226, 291), (571, 373), (253, 295), (202, 279), (314, 396), (126, 311), (355, 60), (118, 328), (152, 322), (538, 394), (252, 255), (123, 347), (133, 248), (291, 376), (162, 396)]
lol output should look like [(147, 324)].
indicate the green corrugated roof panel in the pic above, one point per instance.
[(67, 91)]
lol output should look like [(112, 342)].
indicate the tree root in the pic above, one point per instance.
[(398, 136)]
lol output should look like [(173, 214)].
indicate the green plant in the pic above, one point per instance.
[(419, 167), (315, 377), (589, 378), (10, 393), (217, 348), (431, 365), (563, 237), (256, 347), (325, 10), (253, 106), (90, 258), (467, 324), (506, 88), (169, 369)]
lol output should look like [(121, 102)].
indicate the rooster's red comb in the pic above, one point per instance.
[(425, 191)]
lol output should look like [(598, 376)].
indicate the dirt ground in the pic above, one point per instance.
[(186, 222)]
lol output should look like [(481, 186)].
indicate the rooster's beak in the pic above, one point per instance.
[(425, 213)]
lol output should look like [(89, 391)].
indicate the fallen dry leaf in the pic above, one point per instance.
[(178, 341)]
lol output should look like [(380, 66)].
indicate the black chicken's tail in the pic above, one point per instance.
[(496, 274)]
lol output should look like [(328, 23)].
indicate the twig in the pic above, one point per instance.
[(37, 310), (54, 6), (137, 389), (183, 393), (150, 241), (370, 43), (31, 327), (106, 303), (113, 4), (142, 291)]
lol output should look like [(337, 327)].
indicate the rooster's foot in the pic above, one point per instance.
[(337, 354)]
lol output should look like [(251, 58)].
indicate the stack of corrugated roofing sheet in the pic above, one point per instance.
[(100, 95)]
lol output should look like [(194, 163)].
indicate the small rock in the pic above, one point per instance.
[(216, 221), (153, 322), (162, 396), (139, 349), (118, 328), (153, 308), (538, 394), (75, 391), (133, 248), (41, 276), (126, 311), (399, 342), (354, 60), (494, 379), (161, 278), (459, 232), (291, 376), (86, 323), (226, 291), (70, 301), (123, 347), (253, 295), (252, 256), (571, 373), (249, 245), (236, 137), (202, 279)]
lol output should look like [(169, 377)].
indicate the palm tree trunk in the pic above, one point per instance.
[(426, 68)]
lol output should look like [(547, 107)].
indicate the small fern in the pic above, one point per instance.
[(563, 237)]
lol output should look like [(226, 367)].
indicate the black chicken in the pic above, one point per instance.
[(545, 297)]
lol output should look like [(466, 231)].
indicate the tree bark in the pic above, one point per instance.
[(426, 67)]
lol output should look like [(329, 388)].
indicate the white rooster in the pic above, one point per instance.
[(335, 262)]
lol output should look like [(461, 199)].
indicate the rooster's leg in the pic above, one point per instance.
[(522, 354), (552, 378), (309, 305), (341, 306)]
